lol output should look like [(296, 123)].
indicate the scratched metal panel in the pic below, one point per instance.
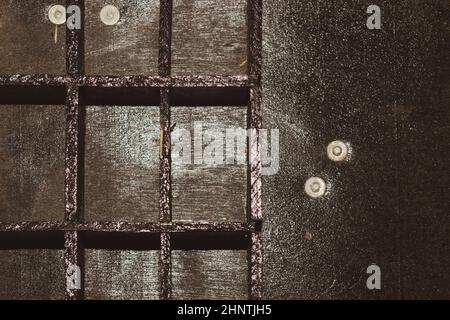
[(209, 37), (122, 163), (209, 274), (130, 46), (121, 274), (24, 23), (32, 163), (32, 274), (206, 192)]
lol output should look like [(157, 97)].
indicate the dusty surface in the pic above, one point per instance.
[(325, 77)]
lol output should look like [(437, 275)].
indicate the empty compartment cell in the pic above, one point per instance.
[(32, 274), (127, 47), (29, 42), (114, 274), (122, 163), (32, 163), (209, 274), (209, 172), (209, 37)]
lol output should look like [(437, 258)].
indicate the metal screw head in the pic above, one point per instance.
[(110, 15), (338, 151), (57, 14), (315, 187)]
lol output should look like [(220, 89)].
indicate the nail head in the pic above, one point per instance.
[(110, 15)]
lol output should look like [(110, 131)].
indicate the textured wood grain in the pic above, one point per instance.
[(122, 163), (205, 192), (121, 274), (209, 37), (209, 274), (385, 92), (27, 38), (32, 163), (131, 46), (32, 274)]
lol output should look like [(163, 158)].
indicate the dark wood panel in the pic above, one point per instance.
[(130, 46), (121, 274), (326, 78), (386, 92), (209, 37), (209, 274), (27, 38), (122, 163), (32, 163), (32, 274), (423, 122), (207, 192)]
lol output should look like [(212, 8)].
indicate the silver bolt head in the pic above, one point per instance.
[(315, 187), (57, 14), (110, 15), (338, 151)]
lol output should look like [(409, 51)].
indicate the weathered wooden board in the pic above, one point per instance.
[(32, 163), (27, 38), (122, 164), (131, 46), (326, 77), (209, 274), (386, 92), (209, 37), (32, 274), (121, 274), (207, 192)]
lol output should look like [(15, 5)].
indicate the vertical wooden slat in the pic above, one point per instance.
[(74, 252), (165, 201), (165, 37), (255, 124), (255, 266), (75, 43), (255, 40), (165, 269), (74, 265)]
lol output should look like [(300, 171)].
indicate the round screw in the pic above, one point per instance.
[(338, 151), (110, 15), (315, 187), (57, 14)]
